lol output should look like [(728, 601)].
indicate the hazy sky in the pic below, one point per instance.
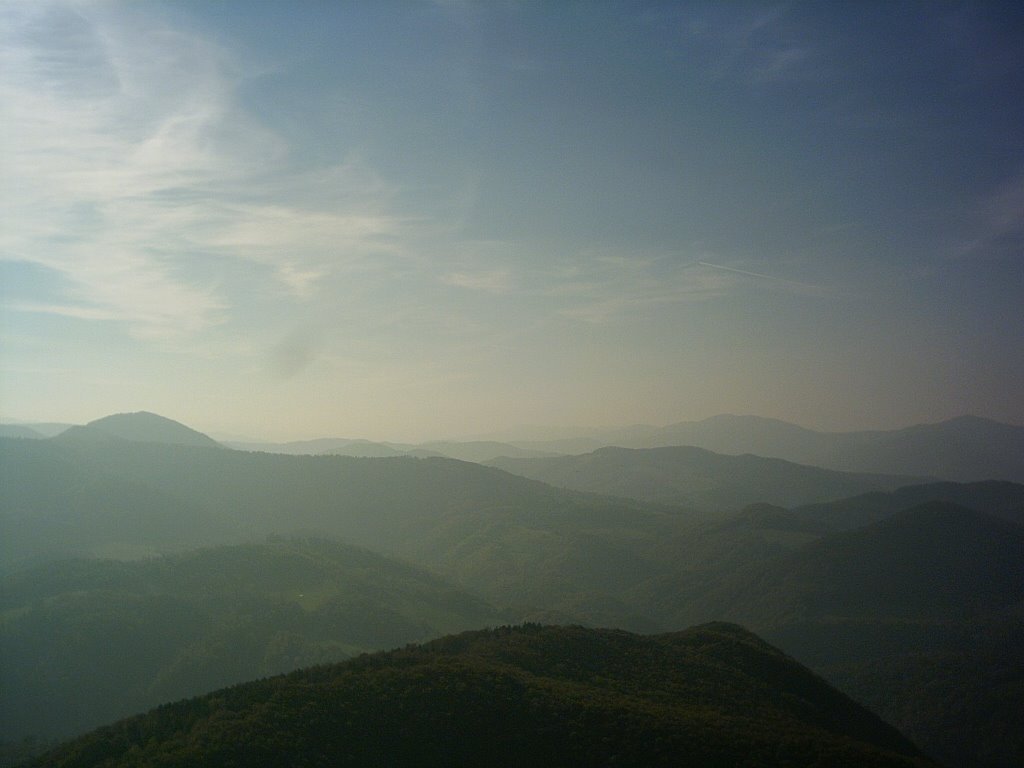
[(402, 220)]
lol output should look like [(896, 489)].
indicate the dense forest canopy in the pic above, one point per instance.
[(527, 695)]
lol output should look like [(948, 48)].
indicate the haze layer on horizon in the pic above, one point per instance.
[(412, 220)]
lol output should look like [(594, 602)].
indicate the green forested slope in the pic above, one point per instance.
[(933, 561), (527, 696), (83, 642), (920, 616), (513, 539)]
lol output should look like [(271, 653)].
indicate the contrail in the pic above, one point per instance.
[(737, 271), (756, 274)]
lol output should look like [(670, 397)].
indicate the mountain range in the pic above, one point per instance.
[(892, 594), (472, 450), (508, 537), (964, 449), (695, 477)]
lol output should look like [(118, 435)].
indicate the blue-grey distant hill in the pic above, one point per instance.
[(965, 449), (698, 478), (512, 538), (321, 446), (365, 449), (20, 430), (140, 427), (995, 497), (476, 450), (34, 429)]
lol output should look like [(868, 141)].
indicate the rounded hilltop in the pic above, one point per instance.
[(142, 427)]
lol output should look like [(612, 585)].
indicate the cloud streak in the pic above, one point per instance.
[(496, 281), (998, 221), (128, 133), (601, 288), (760, 276)]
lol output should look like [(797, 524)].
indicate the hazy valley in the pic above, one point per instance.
[(462, 383), (144, 562)]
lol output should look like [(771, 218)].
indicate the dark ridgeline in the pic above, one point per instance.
[(525, 696)]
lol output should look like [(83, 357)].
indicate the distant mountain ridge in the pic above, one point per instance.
[(996, 497), (475, 450), (20, 430), (696, 477), (964, 449), (139, 427), (502, 534), (34, 429)]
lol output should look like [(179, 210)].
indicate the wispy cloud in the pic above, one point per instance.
[(998, 221), (756, 46), (607, 286), (761, 276), (600, 288), (496, 281), (127, 157)]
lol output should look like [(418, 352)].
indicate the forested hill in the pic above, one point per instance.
[(714, 695), (84, 642), (936, 561), (64, 497), (999, 498), (919, 616), (508, 538)]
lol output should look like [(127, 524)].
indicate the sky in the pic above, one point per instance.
[(416, 220)]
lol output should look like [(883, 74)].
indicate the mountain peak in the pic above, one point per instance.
[(143, 427)]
